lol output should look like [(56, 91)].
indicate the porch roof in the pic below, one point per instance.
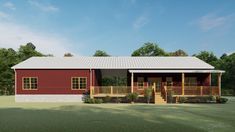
[(176, 71)]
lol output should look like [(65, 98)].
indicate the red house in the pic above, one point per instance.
[(52, 79)]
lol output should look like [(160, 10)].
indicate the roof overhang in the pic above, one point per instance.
[(176, 71)]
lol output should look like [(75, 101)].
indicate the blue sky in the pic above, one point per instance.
[(118, 26)]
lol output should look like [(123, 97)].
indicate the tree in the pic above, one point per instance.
[(68, 55), (179, 52), (208, 57), (27, 51), (8, 58), (227, 63), (100, 53), (149, 49)]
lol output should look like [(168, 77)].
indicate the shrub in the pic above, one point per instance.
[(221, 100), (182, 99), (98, 101), (93, 101), (118, 100), (148, 94), (89, 101), (211, 99), (132, 97), (170, 94), (107, 99), (85, 95), (228, 92)]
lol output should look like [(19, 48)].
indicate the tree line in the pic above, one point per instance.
[(10, 57)]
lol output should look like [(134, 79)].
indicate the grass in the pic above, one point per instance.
[(75, 117)]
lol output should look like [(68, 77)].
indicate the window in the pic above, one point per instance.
[(140, 82), (191, 81), (30, 83), (79, 83), (169, 81)]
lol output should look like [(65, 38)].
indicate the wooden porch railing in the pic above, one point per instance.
[(165, 90), (111, 90), (193, 90)]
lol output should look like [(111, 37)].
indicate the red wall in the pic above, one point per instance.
[(52, 81)]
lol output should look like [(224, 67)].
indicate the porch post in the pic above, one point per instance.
[(91, 87), (210, 79), (132, 82), (219, 83), (182, 83)]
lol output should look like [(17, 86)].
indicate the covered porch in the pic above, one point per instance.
[(178, 83)]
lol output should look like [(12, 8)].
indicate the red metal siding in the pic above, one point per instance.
[(52, 81)]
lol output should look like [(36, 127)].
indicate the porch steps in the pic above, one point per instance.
[(158, 99)]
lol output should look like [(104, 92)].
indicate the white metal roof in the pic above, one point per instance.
[(176, 71), (113, 63)]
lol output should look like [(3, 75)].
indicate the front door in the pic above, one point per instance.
[(157, 81)]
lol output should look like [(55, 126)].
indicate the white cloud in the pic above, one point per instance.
[(43, 7), (140, 22), (14, 35), (212, 21), (3, 15), (9, 5)]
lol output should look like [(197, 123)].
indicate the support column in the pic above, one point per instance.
[(219, 82), (91, 87), (182, 83), (210, 79), (132, 82), (91, 78)]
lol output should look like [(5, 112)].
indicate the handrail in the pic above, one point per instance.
[(195, 90)]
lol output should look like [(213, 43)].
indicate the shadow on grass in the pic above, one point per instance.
[(93, 118)]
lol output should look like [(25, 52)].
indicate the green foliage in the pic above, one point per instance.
[(148, 92), (208, 57), (149, 49), (68, 55), (221, 100), (27, 51), (93, 101), (170, 94), (9, 58), (152, 49), (227, 92), (209, 99), (114, 81), (179, 52), (118, 100), (182, 99), (98, 101), (107, 99), (132, 97), (227, 63), (101, 53)]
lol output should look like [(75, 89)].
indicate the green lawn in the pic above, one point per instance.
[(74, 117)]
